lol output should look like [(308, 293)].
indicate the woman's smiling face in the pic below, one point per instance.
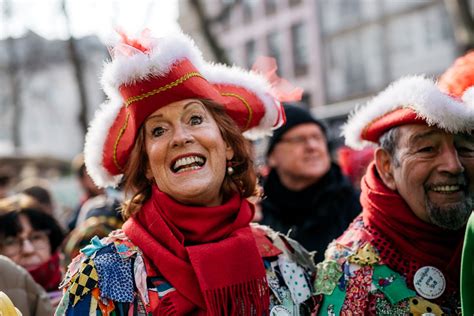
[(186, 153)]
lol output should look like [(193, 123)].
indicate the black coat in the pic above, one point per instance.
[(316, 215)]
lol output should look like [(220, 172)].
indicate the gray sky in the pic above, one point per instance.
[(87, 17)]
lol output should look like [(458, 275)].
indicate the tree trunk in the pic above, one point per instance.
[(78, 74), (462, 22), (205, 23), (14, 80)]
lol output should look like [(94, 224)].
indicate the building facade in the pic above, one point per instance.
[(340, 51)]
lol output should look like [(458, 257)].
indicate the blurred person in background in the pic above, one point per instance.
[(354, 163), (305, 192), (457, 81), (402, 256), (88, 187), (38, 190), (99, 216), (28, 296), (5, 182), (32, 239)]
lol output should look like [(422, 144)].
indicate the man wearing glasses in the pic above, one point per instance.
[(305, 192)]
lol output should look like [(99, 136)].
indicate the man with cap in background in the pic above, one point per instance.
[(402, 255), (304, 191)]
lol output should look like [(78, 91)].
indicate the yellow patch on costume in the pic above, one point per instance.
[(419, 306), (366, 255)]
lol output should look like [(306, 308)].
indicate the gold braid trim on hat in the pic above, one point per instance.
[(145, 95), (242, 99), (161, 89), (119, 136)]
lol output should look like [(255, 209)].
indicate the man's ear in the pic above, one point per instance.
[(384, 165)]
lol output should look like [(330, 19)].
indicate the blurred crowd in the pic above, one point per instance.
[(36, 246), (37, 243)]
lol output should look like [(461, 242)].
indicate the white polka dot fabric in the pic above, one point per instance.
[(294, 279)]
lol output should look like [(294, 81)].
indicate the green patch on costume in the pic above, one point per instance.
[(327, 276), (391, 284), (332, 304)]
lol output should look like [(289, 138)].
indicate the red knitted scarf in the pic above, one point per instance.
[(390, 219), (208, 254), (49, 274)]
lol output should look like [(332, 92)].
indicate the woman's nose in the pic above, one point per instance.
[(181, 136)]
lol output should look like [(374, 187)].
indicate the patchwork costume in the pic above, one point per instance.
[(112, 276), (176, 259), (389, 262)]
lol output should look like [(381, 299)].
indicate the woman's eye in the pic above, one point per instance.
[(196, 120), (157, 131)]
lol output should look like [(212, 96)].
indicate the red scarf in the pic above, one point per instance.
[(49, 274), (208, 254), (386, 213)]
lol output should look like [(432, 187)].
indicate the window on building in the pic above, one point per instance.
[(273, 44), (270, 7), (250, 53), (294, 2), (355, 76), (247, 10), (299, 49)]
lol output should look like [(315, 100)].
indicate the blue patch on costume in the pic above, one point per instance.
[(115, 277), (107, 249), (82, 307)]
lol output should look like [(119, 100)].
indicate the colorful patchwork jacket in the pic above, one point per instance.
[(110, 277), (354, 280)]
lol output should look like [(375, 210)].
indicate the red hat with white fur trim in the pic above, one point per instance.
[(410, 100), (148, 73)]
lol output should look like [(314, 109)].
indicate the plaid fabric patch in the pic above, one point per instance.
[(84, 281)]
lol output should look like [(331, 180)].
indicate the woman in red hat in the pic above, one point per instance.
[(172, 132)]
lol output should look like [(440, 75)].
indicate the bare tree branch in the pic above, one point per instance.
[(206, 24), (14, 80), (463, 23), (75, 59)]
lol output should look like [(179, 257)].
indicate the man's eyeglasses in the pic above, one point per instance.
[(13, 245), (301, 140)]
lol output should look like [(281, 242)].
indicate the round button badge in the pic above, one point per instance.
[(429, 282), (279, 310)]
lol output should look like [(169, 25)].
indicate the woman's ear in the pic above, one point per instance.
[(229, 152), (384, 165), (149, 174)]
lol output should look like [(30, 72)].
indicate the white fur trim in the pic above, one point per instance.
[(95, 142), (167, 52), (221, 74), (418, 93)]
